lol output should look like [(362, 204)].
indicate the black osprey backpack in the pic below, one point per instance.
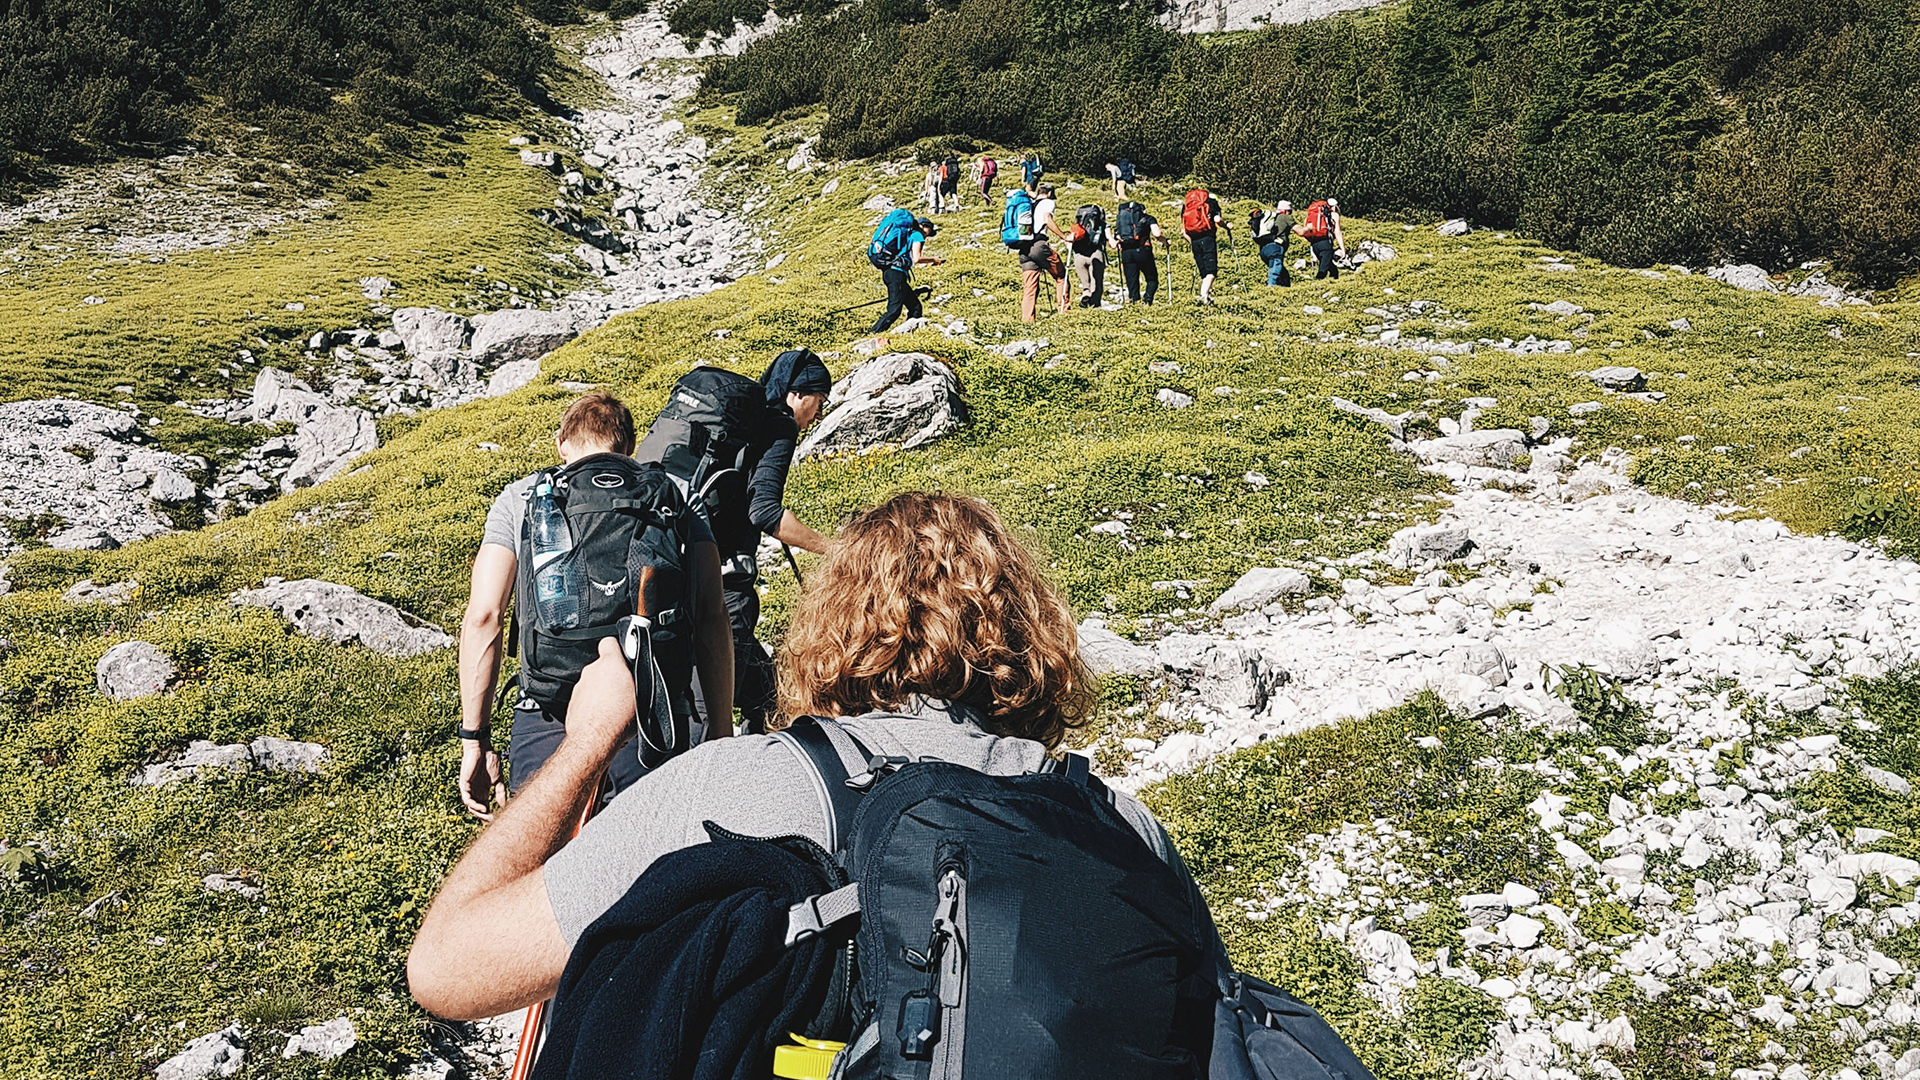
[(700, 438), (627, 555)]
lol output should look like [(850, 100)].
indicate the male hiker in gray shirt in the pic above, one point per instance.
[(593, 425)]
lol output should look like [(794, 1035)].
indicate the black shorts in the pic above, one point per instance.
[(1206, 253), (950, 187)]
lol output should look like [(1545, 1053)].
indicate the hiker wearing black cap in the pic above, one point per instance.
[(896, 249), (731, 442)]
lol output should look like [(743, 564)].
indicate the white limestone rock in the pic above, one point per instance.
[(132, 670), (344, 615)]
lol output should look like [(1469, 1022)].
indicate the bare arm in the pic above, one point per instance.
[(1339, 240), (490, 943), (493, 570), (712, 640), (797, 533)]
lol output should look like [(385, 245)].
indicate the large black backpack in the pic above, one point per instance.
[(701, 438), (1093, 220), (628, 556), (1008, 926), (1130, 225)]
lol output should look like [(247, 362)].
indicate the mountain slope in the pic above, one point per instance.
[(1066, 438)]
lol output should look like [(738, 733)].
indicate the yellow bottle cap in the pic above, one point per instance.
[(811, 1059)]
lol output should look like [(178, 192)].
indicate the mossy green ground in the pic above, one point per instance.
[(349, 858)]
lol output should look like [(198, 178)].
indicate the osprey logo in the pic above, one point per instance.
[(608, 588), (608, 480)]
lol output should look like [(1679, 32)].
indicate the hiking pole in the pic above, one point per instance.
[(922, 291), (792, 562)]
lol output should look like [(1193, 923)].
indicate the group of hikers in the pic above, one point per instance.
[(888, 873), (1048, 241)]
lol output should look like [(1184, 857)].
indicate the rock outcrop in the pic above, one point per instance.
[(219, 1053), (344, 615), (900, 399), (326, 438), (87, 475), (1214, 16), (324, 1041)]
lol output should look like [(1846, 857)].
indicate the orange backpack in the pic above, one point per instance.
[(1319, 221), (1195, 216)]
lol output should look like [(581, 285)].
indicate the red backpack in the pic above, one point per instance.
[(1195, 216), (1319, 221), (989, 168)]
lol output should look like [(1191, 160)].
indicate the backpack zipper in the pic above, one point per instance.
[(950, 975)]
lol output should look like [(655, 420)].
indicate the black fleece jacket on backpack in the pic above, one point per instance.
[(689, 976)]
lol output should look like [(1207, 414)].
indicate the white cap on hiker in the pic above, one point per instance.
[(1285, 207)]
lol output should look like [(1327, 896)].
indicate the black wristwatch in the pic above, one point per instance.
[(476, 736)]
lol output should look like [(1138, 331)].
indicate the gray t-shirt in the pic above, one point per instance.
[(509, 511), (757, 785)]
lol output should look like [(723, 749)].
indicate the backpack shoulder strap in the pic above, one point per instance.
[(1077, 768), (825, 748)]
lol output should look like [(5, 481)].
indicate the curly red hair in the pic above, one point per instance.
[(931, 594)]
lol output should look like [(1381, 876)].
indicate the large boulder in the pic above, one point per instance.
[(1628, 380), (1107, 653), (132, 670), (220, 1053), (324, 1041), (1261, 586), (512, 334), (426, 331), (1421, 545), (344, 615), (1229, 677), (1744, 276), (265, 754), (900, 399), (511, 376), (1496, 448)]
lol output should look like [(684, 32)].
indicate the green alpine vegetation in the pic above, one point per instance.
[(1772, 402), (1636, 131)]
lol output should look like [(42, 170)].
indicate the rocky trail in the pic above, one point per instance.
[(1723, 631)]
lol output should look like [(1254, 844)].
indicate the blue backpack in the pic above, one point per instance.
[(1016, 223), (1034, 169), (890, 246)]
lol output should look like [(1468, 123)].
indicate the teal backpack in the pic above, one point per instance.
[(890, 248), (1016, 224)]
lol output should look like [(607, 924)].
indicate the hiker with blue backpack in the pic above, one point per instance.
[(903, 876), (898, 247), (1031, 170)]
